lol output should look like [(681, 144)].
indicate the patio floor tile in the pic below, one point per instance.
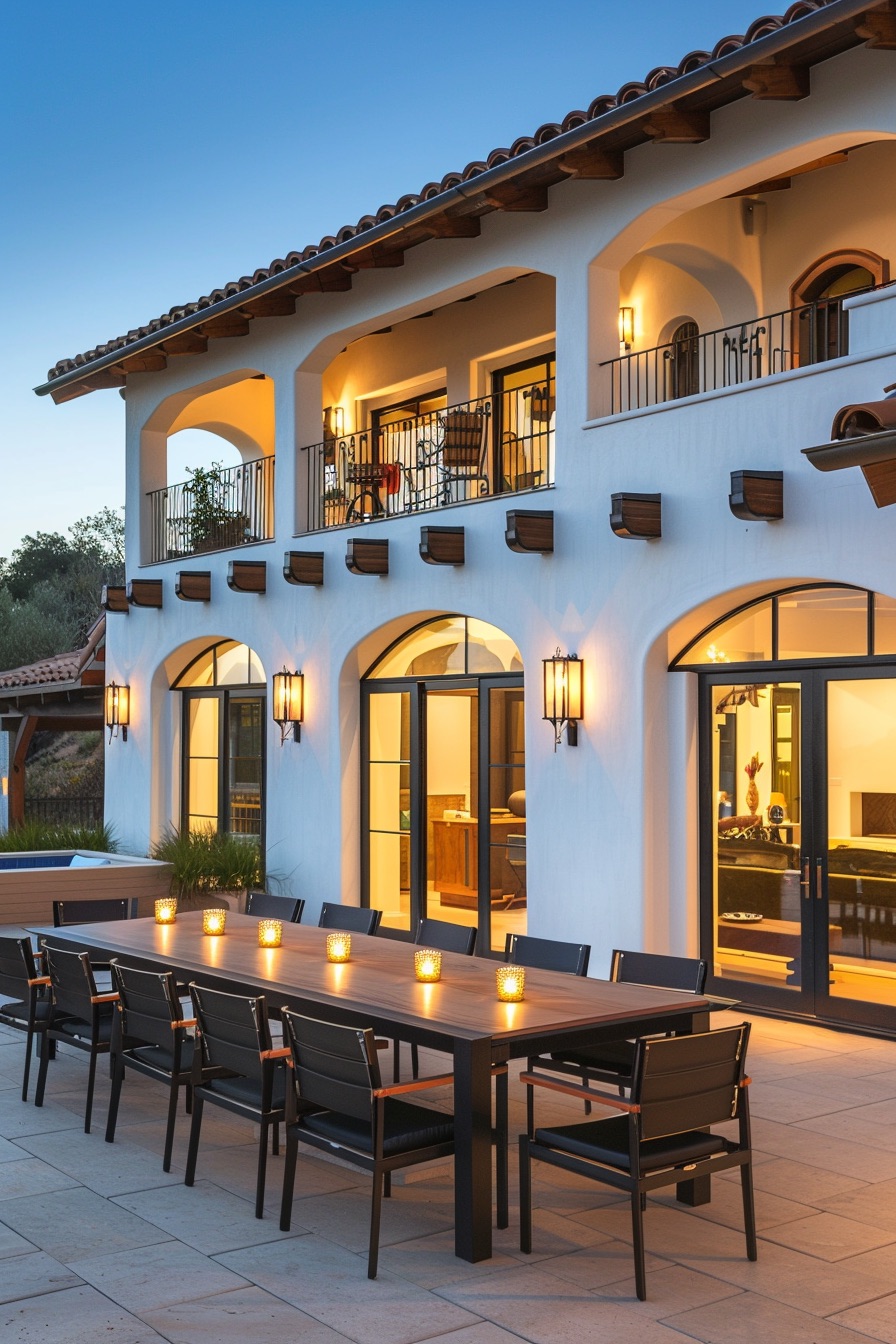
[(75, 1316)]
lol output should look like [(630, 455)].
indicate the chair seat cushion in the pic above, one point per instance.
[(405, 1126), (607, 1141), (616, 1057), (247, 1091), (20, 1010), (75, 1026)]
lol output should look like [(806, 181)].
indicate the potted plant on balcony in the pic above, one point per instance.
[(213, 525)]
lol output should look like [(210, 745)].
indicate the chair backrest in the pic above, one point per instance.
[(17, 967), (148, 1004), (267, 906), (91, 911), (515, 851), (446, 937), (464, 442), (547, 954), (335, 1067), (234, 1030), (689, 1082), (652, 968), (348, 918), (72, 981)]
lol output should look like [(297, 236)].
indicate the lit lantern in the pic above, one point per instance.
[(511, 981), (118, 710), (289, 703), (428, 965), (166, 910), (563, 695), (213, 921), (339, 946)]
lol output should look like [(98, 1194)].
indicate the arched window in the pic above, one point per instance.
[(820, 330), (223, 693), (444, 784), (683, 356)]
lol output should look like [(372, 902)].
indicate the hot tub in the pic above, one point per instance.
[(30, 882)]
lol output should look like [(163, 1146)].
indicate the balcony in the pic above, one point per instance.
[(472, 450), (729, 357), (215, 510)]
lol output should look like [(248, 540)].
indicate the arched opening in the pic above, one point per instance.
[(443, 781), (684, 360), (797, 715), (819, 321), (223, 699)]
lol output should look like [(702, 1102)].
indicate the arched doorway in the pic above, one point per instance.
[(683, 356), (223, 694), (443, 791), (797, 696), (820, 325)]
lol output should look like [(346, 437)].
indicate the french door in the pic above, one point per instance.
[(444, 804), (799, 840)]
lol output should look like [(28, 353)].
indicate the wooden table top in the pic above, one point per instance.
[(379, 980)]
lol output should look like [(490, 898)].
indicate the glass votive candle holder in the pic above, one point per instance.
[(213, 921), (339, 946), (428, 965), (166, 910), (511, 981), (270, 932)]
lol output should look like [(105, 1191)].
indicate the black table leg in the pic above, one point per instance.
[(473, 1150)]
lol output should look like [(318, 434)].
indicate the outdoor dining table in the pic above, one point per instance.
[(377, 988)]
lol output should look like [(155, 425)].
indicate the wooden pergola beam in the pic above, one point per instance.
[(21, 743)]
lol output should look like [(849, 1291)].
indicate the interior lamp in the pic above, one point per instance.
[(289, 703), (563, 695)]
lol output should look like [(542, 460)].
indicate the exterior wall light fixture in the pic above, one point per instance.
[(289, 703), (118, 710), (626, 327), (563, 695)]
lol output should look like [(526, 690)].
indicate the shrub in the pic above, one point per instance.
[(50, 835), (207, 861)]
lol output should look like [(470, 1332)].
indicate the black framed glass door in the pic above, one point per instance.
[(799, 840)]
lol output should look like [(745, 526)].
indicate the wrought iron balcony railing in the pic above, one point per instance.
[(493, 445), (213, 511), (730, 356)]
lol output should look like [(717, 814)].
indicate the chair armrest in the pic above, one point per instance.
[(284, 1052), (41, 980), (417, 1086), (587, 1093), (104, 998), (183, 1023)]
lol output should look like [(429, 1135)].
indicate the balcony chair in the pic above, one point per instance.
[(613, 1061), (151, 1036), (265, 905), (238, 1069), (682, 1086), (79, 1015), (20, 975), (339, 1105), (349, 918), (451, 462)]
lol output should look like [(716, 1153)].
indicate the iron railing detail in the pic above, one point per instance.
[(80, 811), (213, 511), (729, 356), (488, 446)]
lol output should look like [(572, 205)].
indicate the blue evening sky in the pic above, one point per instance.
[(153, 152)]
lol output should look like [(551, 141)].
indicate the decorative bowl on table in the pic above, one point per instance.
[(742, 917)]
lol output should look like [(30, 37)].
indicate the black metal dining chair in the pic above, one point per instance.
[(265, 905), (349, 918), (21, 974), (79, 1015), (92, 911), (151, 1036), (237, 1068), (340, 1106), (682, 1087), (445, 937), (613, 1061), (547, 954)]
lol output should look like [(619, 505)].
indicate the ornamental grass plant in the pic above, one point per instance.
[(42, 835), (206, 862)]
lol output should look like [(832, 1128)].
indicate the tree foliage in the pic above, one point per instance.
[(50, 587)]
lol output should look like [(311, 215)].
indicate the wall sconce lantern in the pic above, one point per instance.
[(289, 703), (626, 327), (118, 710), (563, 695)]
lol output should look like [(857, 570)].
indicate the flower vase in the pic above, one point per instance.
[(752, 798)]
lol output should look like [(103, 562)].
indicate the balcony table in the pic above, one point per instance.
[(376, 988)]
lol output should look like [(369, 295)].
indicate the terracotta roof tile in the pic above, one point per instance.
[(59, 667), (629, 92)]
